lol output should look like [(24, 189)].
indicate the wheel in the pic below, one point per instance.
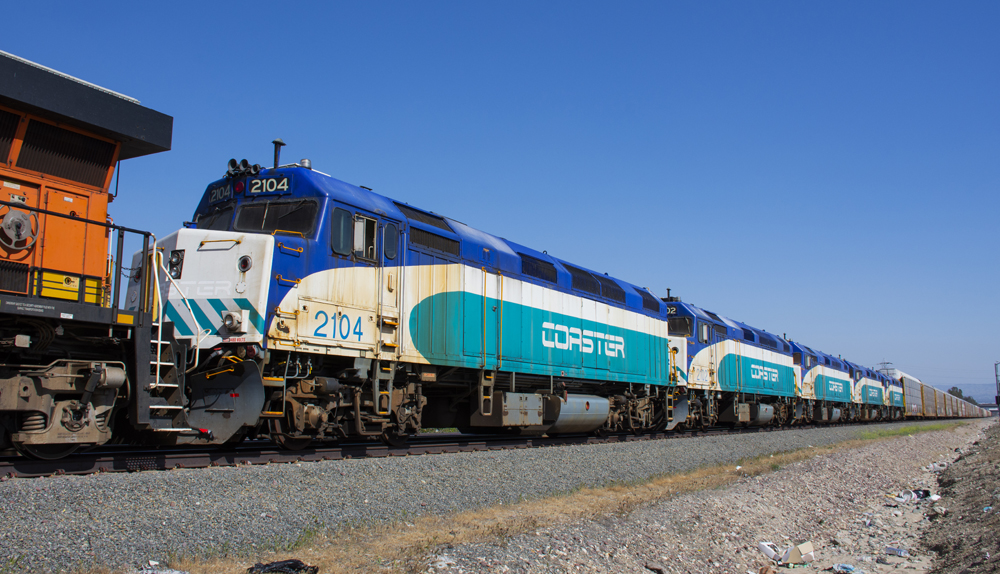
[(279, 430), (46, 451)]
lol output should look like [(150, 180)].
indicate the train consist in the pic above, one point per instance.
[(298, 307)]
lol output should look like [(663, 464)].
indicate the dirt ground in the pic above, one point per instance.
[(967, 537)]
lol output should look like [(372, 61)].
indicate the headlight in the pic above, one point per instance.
[(176, 263)]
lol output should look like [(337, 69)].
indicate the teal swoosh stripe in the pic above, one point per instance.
[(218, 306), (255, 318), (176, 313), (204, 322), (448, 328), (182, 327)]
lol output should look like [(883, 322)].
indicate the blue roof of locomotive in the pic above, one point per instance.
[(311, 183)]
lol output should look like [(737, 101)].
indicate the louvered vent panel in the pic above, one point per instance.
[(62, 153), (13, 277), (421, 237), (8, 126)]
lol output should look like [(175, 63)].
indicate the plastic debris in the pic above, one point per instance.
[(934, 497), (443, 561), (845, 569), (896, 551), (771, 551), (153, 567), (936, 466), (987, 508), (801, 554), (910, 495), (283, 567)]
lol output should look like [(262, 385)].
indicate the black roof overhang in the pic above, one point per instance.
[(141, 131)]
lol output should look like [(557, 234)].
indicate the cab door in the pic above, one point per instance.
[(390, 299)]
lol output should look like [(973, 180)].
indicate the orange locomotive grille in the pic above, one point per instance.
[(63, 153)]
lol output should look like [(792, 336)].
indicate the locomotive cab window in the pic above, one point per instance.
[(679, 326), (340, 231), (218, 221), (796, 358), (364, 237), (297, 217), (390, 241)]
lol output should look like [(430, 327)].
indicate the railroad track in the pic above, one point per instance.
[(130, 459)]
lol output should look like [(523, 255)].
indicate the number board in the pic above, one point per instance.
[(219, 194), (269, 185)]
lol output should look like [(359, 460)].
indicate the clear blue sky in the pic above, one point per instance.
[(827, 170)]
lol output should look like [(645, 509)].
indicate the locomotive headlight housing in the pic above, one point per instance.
[(175, 264), (244, 264), (234, 320)]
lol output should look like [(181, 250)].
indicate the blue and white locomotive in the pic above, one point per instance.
[(306, 308)]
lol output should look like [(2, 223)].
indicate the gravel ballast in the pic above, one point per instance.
[(67, 523), (835, 501)]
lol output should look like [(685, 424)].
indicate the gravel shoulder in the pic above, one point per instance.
[(967, 536), (837, 502), (70, 523)]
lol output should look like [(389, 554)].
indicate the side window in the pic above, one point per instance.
[(364, 238), (702, 332), (391, 241), (796, 358), (340, 232)]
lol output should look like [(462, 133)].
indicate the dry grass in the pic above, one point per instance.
[(401, 546)]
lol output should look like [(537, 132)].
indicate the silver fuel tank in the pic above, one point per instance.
[(581, 413)]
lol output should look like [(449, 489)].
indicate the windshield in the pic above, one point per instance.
[(267, 217), (218, 220)]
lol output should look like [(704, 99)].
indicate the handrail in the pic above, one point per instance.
[(295, 249), (299, 233), (236, 241)]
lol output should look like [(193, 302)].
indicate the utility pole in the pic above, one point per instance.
[(996, 369)]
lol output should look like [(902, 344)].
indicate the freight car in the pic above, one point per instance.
[(315, 309)]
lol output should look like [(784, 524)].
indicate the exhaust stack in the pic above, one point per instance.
[(277, 151)]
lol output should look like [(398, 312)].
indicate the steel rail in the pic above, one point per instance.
[(114, 458)]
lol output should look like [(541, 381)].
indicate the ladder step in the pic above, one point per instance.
[(165, 407), (164, 386), (171, 363)]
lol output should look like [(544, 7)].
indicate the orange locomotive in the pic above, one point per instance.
[(67, 353)]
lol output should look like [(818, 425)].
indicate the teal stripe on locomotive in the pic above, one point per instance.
[(873, 395), (740, 373), (180, 316), (896, 399), (833, 389), (448, 329)]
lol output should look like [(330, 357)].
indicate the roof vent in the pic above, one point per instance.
[(306, 163)]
